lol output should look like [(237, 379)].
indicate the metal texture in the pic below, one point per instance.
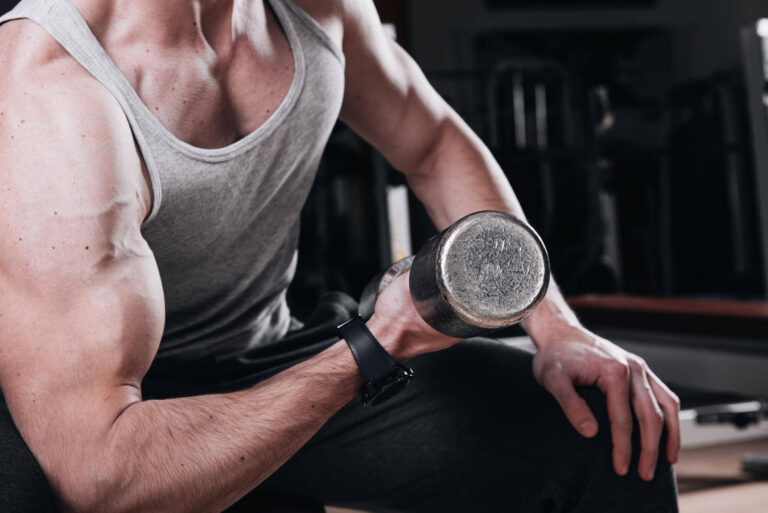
[(487, 271), (379, 283)]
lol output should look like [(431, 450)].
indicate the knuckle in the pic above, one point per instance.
[(651, 450), (617, 370), (624, 422), (551, 372), (637, 365), (650, 446)]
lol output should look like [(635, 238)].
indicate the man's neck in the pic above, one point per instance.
[(166, 22)]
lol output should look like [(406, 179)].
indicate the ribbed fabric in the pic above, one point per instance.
[(224, 222)]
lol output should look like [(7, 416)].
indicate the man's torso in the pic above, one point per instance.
[(200, 90), (224, 238)]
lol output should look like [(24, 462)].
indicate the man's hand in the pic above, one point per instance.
[(568, 356), (573, 356), (398, 326)]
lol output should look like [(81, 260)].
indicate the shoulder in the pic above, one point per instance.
[(30, 53), (350, 18), (45, 85), (37, 70), (59, 127), (69, 168)]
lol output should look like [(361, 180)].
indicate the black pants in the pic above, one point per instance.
[(473, 433)]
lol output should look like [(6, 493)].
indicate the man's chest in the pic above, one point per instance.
[(211, 95)]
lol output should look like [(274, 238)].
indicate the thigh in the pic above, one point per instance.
[(474, 432), (23, 487)]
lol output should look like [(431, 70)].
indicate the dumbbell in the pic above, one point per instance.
[(487, 271)]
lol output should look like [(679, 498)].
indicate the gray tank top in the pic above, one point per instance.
[(224, 222)]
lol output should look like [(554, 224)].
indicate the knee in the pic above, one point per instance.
[(598, 480)]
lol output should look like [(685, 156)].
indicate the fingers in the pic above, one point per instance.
[(649, 416), (575, 407), (615, 385), (670, 405), (629, 386)]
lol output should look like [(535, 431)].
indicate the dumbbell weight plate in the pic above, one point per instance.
[(487, 271)]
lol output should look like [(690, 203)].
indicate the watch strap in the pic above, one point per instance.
[(372, 359)]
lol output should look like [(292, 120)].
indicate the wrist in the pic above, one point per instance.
[(391, 336), (550, 322), (382, 376)]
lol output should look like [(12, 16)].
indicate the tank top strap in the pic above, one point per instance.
[(25, 9), (310, 25), (64, 23), (62, 20)]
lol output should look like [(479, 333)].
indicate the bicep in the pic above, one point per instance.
[(388, 100), (81, 305)]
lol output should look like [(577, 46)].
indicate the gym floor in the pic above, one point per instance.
[(711, 481)]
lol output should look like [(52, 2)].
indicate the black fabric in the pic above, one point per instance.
[(374, 362), (473, 432), (23, 487)]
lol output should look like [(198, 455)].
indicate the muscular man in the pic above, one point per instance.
[(154, 157)]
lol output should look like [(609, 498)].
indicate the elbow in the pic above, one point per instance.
[(82, 499), (93, 491)]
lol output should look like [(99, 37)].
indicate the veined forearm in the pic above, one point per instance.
[(204, 453), (461, 176)]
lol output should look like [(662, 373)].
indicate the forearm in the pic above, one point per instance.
[(204, 453), (461, 176)]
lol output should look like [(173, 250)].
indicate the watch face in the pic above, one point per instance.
[(387, 387)]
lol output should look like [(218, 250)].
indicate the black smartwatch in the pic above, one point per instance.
[(382, 376)]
